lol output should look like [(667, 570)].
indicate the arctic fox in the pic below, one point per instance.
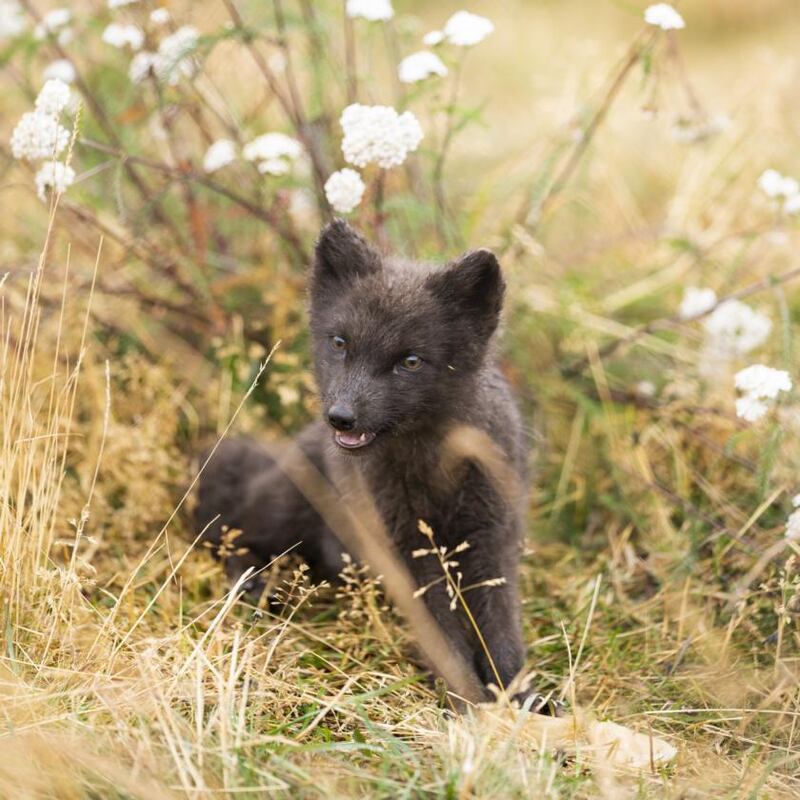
[(403, 354)]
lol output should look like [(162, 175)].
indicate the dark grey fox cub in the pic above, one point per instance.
[(402, 353)]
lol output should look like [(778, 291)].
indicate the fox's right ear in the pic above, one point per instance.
[(342, 254)]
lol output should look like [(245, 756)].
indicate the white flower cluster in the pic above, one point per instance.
[(274, 153), (793, 526), (53, 175), (124, 36), (463, 29), (55, 23), (664, 16), (696, 302), (61, 69), (378, 135), (159, 16), (172, 61), (781, 188), (12, 19), (734, 329), (40, 135), (219, 155), (372, 10), (344, 190), (419, 66), (759, 385)]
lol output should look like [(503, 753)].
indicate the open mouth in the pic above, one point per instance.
[(352, 441)]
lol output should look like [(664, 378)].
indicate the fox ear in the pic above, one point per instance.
[(472, 287), (342, 254)]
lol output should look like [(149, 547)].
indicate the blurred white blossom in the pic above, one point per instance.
[(762, 381), (433, 38), (419, 66), (750, 408), (123, 36), (734, 329), (465, 30), (273, 152), (173, 60), (53, 97), (38, 135), (54, 21), (159, 16), (696, 302), (12, 19), (141, 65), (55, 176), (793, 526), (120, 3), (773, 184), (219, 155), (61, 69), (796, 501), (373, 10), (378, 134), (664, 16), (344, 190), (759, 384), (792, 205)]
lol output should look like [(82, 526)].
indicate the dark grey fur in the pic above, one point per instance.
[(386, 308)]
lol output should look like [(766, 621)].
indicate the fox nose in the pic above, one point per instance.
[(341, 417)]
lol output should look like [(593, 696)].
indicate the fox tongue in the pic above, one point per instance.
[(349, 439)]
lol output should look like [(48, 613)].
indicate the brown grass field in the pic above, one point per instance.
[(153, 308)]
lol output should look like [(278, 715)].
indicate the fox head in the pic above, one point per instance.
[(397, 344)]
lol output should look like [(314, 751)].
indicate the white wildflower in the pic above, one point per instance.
[(796, 501), (159, 16), (696, 302), (373, 10), (433, 38), (62, 69), (12, 19), (792, 205), (173, 54), (142, 64), (219, 155), (419, 66), (123, 36), (53, 97), (664, 16), (793, 526), (378, 134), (52, 22), (120, 3), (759, 384), (273, 152), (734, 329), (344, 190), (646, 389), (751, 409), (465, 30), (773, 184), (53, 175), (763, 382), (38, 135)]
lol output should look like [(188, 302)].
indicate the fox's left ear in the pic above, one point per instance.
[(472, 287), (341, 255)]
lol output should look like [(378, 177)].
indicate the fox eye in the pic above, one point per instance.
[(338, 343), (411, 362)]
